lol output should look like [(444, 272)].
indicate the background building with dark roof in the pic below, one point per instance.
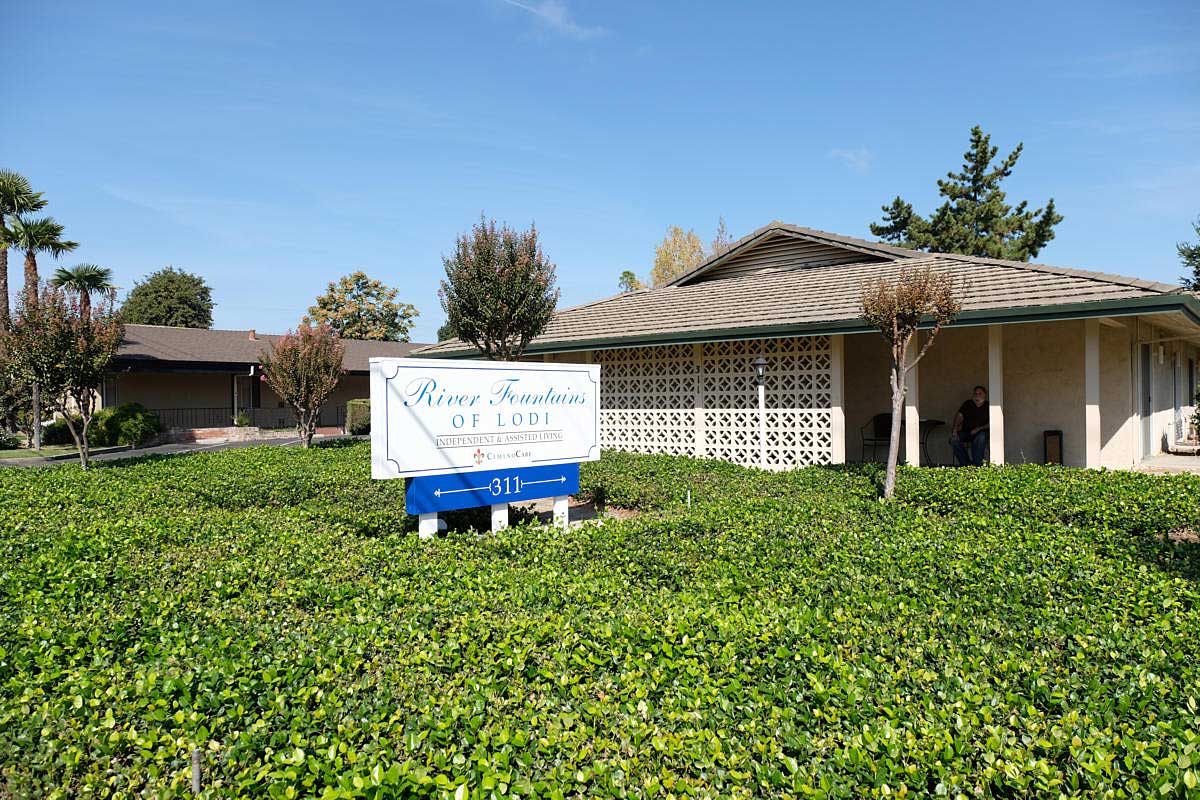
[(1108, 361), (195, 378)]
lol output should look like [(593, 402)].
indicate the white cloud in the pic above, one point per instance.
[(858, 160), (555, 15)]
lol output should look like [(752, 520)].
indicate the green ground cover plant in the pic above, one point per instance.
[(1012, 632)]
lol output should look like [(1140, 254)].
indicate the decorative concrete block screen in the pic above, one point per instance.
[(701, 400)]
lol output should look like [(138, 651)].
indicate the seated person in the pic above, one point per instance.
[(969, 434)]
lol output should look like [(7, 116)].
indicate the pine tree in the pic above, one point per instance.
[(1189, 254), (975, 219)]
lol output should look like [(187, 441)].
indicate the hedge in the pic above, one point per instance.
[(358, 417), (788, 635)]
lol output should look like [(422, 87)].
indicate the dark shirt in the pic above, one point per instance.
[(973, 416)]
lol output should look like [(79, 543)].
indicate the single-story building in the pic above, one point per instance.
[(1084, 367), (195, 378)]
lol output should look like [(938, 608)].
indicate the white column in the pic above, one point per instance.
[(699, 432), (912, 417), (427, 525), (562, 511), (996, 392), (762, 426), (837, 398), (1091, 392), (499, 517)]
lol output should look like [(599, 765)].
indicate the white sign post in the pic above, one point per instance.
[(517, 422)]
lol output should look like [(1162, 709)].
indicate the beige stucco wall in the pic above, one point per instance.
[(947, 375), (274, 412), (1043, 388), (195, 391), (170, 390), (1118, 422)]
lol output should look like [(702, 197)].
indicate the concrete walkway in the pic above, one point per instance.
[(165, 450), (1167, 463)]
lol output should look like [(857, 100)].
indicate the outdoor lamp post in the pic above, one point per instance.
[(760, 378), (760, 371)]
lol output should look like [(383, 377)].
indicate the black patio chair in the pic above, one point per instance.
[(875, 434)]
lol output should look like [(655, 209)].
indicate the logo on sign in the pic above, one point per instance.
[(478, 456)]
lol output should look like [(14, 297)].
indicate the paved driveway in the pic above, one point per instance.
[(165, 450)]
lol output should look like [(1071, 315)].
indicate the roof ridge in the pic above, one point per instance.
[(1102, 277)]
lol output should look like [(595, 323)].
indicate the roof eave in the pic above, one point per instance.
[(1157, 304)]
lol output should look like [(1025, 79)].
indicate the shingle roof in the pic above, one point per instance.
[(878, 249), (156, 343), (808, 297)]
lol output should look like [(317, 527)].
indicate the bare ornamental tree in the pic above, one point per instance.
[(898, 308)]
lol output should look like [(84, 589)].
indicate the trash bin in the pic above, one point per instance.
[(1052, 447)]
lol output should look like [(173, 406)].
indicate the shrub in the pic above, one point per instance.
[(358, 417), (129, 424), (9, 441), (126, 424), (57, 433), (786, 636)]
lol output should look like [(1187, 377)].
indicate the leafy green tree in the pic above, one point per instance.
[(896, 308), (499, 290), (16, 406), (1189, 254), (678, 252), (55, 347), (975, 219), (304, 368), (85, 280), (446, 332), (356, 307), (629, 282), (169, 297), (16, 197)]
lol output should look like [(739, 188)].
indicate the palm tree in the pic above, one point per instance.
[(42, 235), (85, 280), (16, 197)]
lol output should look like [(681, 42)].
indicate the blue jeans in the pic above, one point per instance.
[(978, 444)]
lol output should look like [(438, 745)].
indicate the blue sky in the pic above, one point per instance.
[(274, 147)]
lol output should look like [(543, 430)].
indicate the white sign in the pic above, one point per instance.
[(433, 416)]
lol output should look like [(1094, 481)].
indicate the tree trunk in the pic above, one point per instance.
[(889, 484), (85, 305), (31, 278), (306, 426), (37, 417), (5, 318), (81, 444)]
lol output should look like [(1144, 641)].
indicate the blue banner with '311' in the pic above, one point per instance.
[(432, 493)]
